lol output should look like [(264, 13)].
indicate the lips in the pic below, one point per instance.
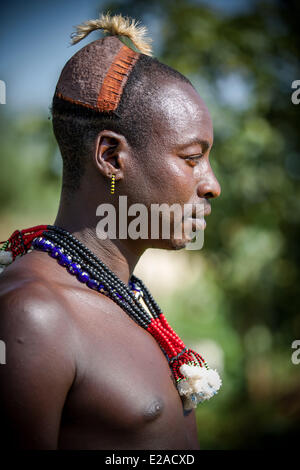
[(203, 212), (207, 210), (195, 218), (197, 224)]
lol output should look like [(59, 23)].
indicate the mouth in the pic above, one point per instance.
[(204, 211), (197, 219), (197, 223)]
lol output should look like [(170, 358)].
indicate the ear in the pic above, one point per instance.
[(111, 152)]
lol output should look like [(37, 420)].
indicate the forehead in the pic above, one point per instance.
[(181, 115)]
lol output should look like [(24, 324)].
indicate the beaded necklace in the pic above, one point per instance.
[(195, 381)]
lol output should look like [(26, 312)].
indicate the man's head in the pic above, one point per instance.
[(156, 140)]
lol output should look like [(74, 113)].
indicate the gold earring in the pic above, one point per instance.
[(112, 185)]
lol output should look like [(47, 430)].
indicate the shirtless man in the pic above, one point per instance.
[(79, 373)]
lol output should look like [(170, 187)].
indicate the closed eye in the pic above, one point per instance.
[(193, 158)]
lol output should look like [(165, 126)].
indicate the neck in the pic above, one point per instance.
[(76, 217)]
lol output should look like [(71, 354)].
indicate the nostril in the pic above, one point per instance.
[(209, 188)]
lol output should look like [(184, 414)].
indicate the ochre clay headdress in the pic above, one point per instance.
[(96, 75)]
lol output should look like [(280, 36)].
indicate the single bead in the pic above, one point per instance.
[(92, 283), (55, 252), (82, 276), (63, 260), (49, 244), (74, 268)]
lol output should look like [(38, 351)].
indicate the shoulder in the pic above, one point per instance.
[(33, 313), (40, 365), (31, 304)]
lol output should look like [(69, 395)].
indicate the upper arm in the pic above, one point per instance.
[(39, 369)]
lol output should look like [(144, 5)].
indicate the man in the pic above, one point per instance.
[(80, 374)]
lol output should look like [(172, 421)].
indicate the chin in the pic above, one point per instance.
[(171, 243), (168, 244), (177, 243)]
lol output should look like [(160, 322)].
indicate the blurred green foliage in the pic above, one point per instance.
[(246, 301), (30, 170)]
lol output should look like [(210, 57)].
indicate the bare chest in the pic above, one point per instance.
[(124, 395)]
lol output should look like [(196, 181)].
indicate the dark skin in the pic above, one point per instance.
[(80, 373)]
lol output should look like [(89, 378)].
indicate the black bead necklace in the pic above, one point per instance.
[(195, 381)]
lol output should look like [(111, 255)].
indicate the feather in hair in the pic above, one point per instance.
[(116, 25)]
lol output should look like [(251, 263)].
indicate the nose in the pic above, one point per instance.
[(209, 186)]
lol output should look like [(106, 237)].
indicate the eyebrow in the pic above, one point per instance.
[(204, 143)]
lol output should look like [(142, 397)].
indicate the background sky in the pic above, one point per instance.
[(34, 46)]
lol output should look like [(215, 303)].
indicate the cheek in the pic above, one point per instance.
[(170, 181), (176, 181), (178, 170)]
